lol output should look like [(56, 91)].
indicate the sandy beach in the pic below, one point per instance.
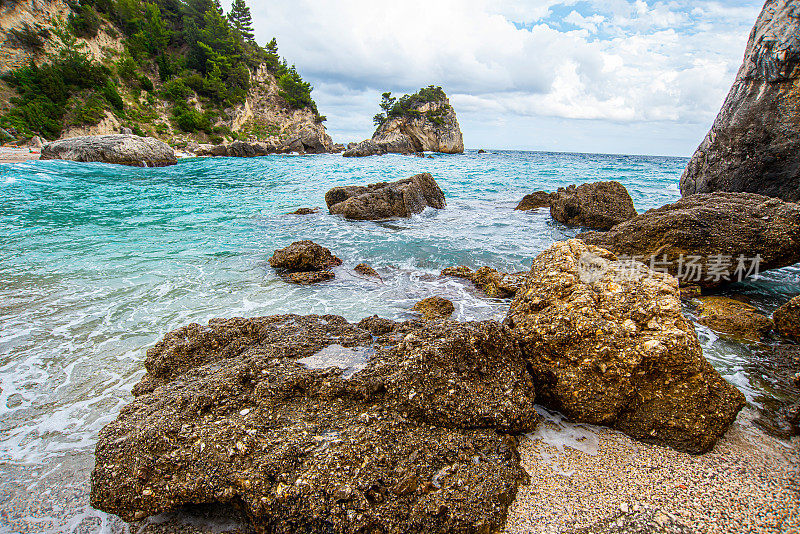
[(17, 155)]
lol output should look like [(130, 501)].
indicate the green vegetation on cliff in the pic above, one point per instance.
[(407, 105), (173, 50)]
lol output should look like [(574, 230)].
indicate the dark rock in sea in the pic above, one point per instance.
[(307, 278), (364, 149), (710, 239), (305, 211), (598, 205), (120, 149), (534, 201), (607, 344), (366, 270), (386, 200), (303, 256), (434, 308), (481, 151), (737, 319), (407, 435), (491, 281), (754, 144), (787, 319)]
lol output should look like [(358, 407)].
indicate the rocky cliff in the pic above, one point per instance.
[(423, 122), (754, 143)]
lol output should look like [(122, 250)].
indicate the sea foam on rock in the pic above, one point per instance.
[(386, 200), (413, 442), (607, 344), (120, 149)]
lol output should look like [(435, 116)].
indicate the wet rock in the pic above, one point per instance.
[(481, 151), (307, 278), (734, 318), (377, 326), (754, 144), (534, 201), (434, 308), (690, 292), (120, 149), (305, 211), (408, 444), (607, 344), (598, 205), (365, 148), (777, 366), (366, 270), (787, 318), (710, 239), (491, 281), (304, 256), (385, 200)]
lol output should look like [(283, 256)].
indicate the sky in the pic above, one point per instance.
[(599, 76)]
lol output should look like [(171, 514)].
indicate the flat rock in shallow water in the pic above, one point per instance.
[(120, 149), (434, 308), (710, 239), (385, 200), (608, 345), (734, 318), (414, 442)]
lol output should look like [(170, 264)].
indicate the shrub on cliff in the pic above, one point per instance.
[(406, 106)]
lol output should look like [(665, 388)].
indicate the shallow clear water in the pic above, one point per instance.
[(97, 262)]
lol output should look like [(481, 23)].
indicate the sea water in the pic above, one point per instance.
[(97, 262)]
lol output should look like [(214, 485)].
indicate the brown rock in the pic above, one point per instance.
[(539, 199), (405, 445), (703, 239), (303, 256), (305, 211), (607, 344), (787, 318), (386, 200), (366, 270), (308, 278), (735, 318), (491, 281), (434, 308), (599, 205)]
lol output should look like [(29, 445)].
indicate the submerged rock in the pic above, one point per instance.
[(434, 308), (366, 270), (305, 211), (607, 344), (539, 199), (491, 281), (120, 149), (308, 278), (735, 318), (754, 144), (407, 444), (787, 318), (710, 239), (304, 256), (598, 205), (386, 200)]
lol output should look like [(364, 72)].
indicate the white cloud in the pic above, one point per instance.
[(620, 61)]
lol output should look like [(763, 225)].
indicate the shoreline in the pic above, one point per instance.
[(18, 155)]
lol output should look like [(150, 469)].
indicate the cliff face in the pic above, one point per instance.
[(754, 144), (426, 127)]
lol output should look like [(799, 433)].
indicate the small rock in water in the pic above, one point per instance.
[(366, 270), (434, 308), (305, 211)]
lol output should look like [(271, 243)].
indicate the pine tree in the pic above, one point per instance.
[(241, 20)]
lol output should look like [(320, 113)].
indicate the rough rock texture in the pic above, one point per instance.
[(490, 281), (305, 211), (735, 318), (434, 308), (787, 318), (120, 149), (386, 200), (303, 256), (607, 344), (307, 278), (778, 366), (408, 135), (534, 201), (754, 144), (598, 205), (254, 412), (366, 270), (712, 232)]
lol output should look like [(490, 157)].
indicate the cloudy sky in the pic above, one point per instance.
[(609, 76)]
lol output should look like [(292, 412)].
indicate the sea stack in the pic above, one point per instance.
[(754, 145)]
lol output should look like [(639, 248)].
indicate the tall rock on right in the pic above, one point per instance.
[(606, 343), (754, 144)]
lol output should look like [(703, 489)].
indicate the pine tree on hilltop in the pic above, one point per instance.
[(241, 20)]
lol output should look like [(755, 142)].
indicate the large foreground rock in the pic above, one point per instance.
[(406, 435), (120, 149), (710, 239), (754, 144), (608, 345), (385, 200), (787, 318), (598, 205)]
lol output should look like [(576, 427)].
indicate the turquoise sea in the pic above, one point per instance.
[(97, 262)]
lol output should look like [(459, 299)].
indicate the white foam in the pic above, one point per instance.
[(554, 431), (351, 360)]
